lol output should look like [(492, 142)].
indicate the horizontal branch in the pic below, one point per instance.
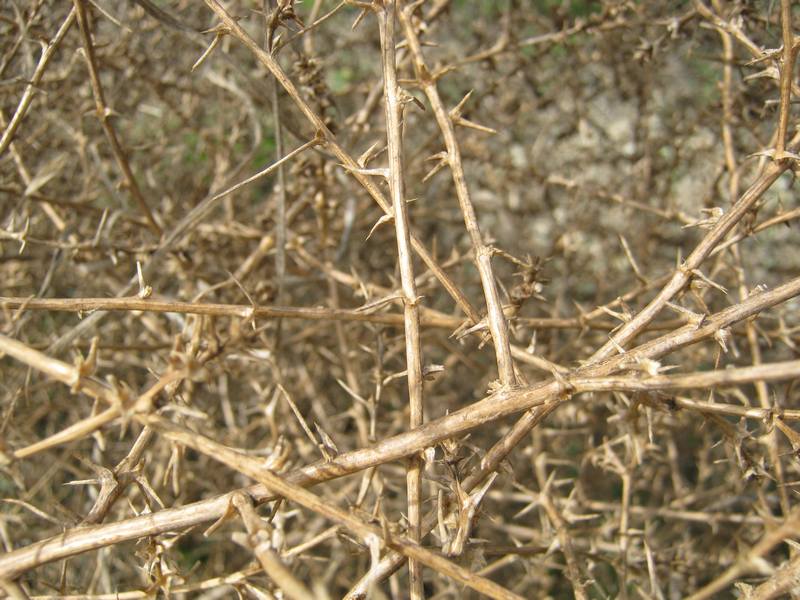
[(134, 303), (428, 317), (281, 486), (492, 408), (253, 468), (722, 377)]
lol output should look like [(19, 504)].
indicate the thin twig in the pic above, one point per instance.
[(787, 78), (157, 305), (104, 114), (393, 448), (36, 78), (482, 253), (258, 540), (747, 560), (350, 164), (392, 103), (687, 268)]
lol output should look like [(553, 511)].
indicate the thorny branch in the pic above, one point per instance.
[(411, 321), (259, 342)]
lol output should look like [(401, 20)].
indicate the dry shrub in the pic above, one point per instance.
[(517, 274)]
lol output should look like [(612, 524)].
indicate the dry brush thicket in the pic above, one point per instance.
[(399, 299)]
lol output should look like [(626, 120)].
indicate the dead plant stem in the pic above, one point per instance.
[(104, 113), (482, 253), (392, 103)]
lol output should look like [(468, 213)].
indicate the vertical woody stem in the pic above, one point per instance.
[(266, 59), (498, 326), (787, 72), (393, 106)]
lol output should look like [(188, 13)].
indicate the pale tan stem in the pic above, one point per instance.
[(787, 77), (30, 89), (545, 395), (781, 582), (393, 560), (280, 486), (522, 428), (266, 59), (684, 273), (747, 560), (573, 570), (727, 126), (14, 590), (104, 114), (496, 318), (645, 317), (258, 540), (393, 109), (71, 376), (133, 303)]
